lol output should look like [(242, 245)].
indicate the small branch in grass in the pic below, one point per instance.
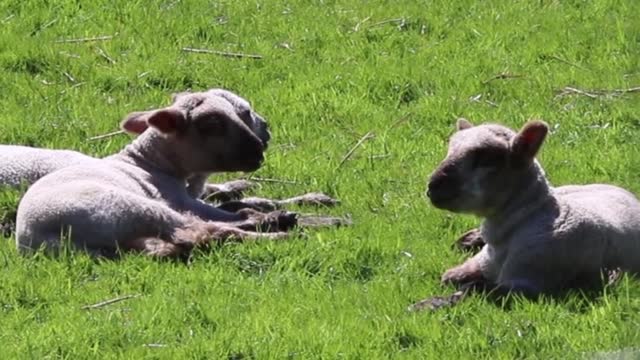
[(154, 345), (106, 56), (554, 57), (404, 118), (109, 302), (596, 93), (69, 77), (72, 87), (222, 53), (502, 76), (108, 135), (8, 18), (384, 22), (277, 181), (88, 39), (360, 23), (364, 138)]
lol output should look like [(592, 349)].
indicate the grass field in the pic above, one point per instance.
[(331, 72)]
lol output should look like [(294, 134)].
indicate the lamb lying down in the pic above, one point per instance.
[(539, 239), (136, 199), (22, 165)]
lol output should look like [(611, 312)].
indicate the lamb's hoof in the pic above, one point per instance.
[(284, 220), (322, 221), (312, 199), (471, 241), (436, 302), (231, 190), (613, 276), (270, 222)]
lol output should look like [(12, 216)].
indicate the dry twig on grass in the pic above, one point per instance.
[(107, 135), (364, 138), (277, 181), (384, 22), (222, 53), (103, 53), (109, 302), (502, 76), (596, 93), (88, 39)]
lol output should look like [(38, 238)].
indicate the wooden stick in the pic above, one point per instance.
[(289, 182), (357, 27), (364, 138), (109, 302), (501, 76), (104, 55), (88, 39), (383, 22), (108, 135), (594, 94), (222, 53)]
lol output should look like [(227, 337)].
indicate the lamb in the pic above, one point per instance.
[(23, 165), (136, 200), (540, 240)]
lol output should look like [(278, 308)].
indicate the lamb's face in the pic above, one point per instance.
[(481, 170), (215, 136), (243, 109)]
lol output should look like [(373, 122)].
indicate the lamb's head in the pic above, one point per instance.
[(243, 109), (203, 133), (484, 166)]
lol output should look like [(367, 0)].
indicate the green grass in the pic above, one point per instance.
[(339, 293)]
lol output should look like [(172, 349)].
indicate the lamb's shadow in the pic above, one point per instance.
[(579, 295)]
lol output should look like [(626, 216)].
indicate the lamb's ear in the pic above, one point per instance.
[(167, 120), (136, 122), (463, 123), (525, 145)]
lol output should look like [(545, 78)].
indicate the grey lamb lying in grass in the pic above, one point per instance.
[(539, 239), (137, 199)]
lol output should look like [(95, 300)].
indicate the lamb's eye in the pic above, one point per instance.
[(212, 127), (488, 158)]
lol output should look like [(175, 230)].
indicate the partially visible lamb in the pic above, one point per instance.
[(539, 239), (136, 199), (23, 165)]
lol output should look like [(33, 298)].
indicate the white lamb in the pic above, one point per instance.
[(539, 239), (137, 199), (23, 165)]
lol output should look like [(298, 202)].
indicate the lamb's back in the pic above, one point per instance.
[(608, 214), (25, 165)]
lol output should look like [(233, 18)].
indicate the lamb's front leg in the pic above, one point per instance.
[(470, 271), (228, 191), (471, 241), (469, 276), (246, 219)]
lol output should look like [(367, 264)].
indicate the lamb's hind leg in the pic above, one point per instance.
[(197, 234)]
